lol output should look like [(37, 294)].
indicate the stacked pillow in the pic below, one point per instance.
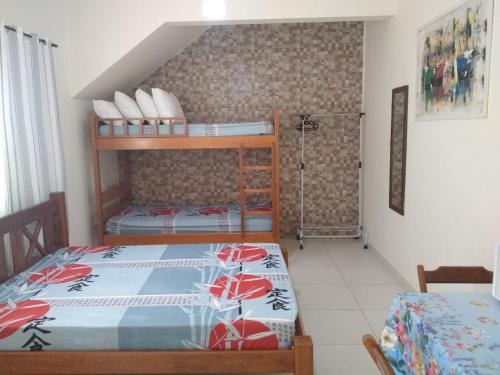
[(167, 104), (161, 104), (146, 104), (128, 107), (105, 109)]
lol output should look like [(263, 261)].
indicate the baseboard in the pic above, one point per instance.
[(401, 279)]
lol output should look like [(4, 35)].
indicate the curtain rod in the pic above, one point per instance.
[(10, 28)]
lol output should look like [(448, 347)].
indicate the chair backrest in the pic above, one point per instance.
[(378, 357), (453, 275)]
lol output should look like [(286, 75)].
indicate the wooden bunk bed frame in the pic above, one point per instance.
[(50, 219), (111, 202)]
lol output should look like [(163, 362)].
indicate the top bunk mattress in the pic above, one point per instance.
[(194, 130), (157, 297)]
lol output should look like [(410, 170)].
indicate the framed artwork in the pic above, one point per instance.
[(454, 63)]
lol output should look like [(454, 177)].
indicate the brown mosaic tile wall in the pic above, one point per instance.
[(236, 73)]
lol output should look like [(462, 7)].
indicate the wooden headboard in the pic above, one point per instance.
[(34, 233)]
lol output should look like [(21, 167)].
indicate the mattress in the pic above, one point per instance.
[(204, 296), (194, 130), (153, 219)]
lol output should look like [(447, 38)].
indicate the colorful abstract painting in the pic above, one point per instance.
[(453, 63)]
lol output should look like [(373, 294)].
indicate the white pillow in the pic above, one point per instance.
[(178, 109), (128, 107), (146, 104), (105, 109), (167, 104)]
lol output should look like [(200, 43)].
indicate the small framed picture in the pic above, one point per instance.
[(496, 274)]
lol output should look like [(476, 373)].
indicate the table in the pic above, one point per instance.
[(430, 334)]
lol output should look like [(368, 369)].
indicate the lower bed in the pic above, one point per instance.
[(194, 130), (206, 296), (155, 219)]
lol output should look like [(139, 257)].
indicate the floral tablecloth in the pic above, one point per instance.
[(430, 334)]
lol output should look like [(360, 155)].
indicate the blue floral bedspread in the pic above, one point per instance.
[(203, 296), (432, 334)]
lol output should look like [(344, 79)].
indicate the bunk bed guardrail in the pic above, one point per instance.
[(147, 126)]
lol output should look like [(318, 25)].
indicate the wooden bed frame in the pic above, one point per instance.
[(111, 202), (50, 219)]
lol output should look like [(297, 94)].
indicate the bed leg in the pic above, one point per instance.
[(285, 255), (303, 355)]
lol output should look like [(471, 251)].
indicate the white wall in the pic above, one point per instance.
[(161, 45), (452, 211), (105, 31)]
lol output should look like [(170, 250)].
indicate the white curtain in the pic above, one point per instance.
[(31, 159)]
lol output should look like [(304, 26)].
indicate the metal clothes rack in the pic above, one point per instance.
[(303, 230)]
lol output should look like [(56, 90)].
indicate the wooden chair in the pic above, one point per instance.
[(378, 357), (453, 275)]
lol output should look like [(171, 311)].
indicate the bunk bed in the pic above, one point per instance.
[(117, 220), (59, 305)]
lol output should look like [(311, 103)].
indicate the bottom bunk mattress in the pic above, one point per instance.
[(204, 296), (154, 219)]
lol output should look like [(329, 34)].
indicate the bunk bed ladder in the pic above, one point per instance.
[(244, 191)]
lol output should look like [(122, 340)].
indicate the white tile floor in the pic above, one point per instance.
[(344, 292)]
